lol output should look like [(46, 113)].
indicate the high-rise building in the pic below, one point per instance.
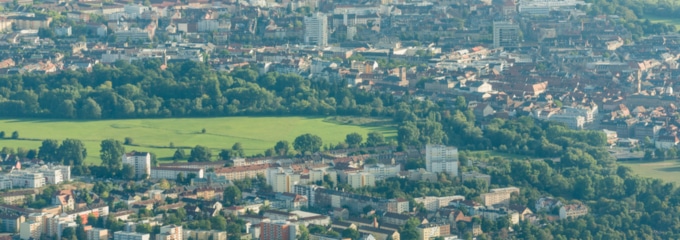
[(361, 179), (440, 158), (277, 230), (170, 232), (120, 235), (97, 234), (316, 29), (140, 162), (505, 34)]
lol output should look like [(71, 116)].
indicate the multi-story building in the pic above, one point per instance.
[(25, 179), (277, 230), (120, 235), (434, 203), (171, 173), (506, 34), (360, 179), (498, 196), (382, 171), (97, 234), (241, 172), (30, 230), (307, 191), (11, 222), (17, 197), (171, 232), (141, 163), (316, 29), (203, 234), (398, 205), (440, 158), (573, 211), (282, 179), (469, 176), (432, 230), (31, 22), (132, 35)]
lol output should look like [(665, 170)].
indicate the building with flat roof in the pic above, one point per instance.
[(141, 163)]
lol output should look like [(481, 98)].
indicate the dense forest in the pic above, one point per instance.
[(188, 89)]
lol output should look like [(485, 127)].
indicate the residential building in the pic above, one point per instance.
[(360, 179), (171, 232), (30, 230), (547, 204), (470, 176), (506, 34), (241, 172), (141, 163), (382, 171), (277, 230), (306, 190), (434, 203), (120, 235), (316, 29), (431, 230), (11, 222), (398, 205), (498, 196), (25, 179), (204, 234), (171, 173), (132, 35), (97, 234), (17, 197), (573, 211), (31, 22), (440, 158), (282, 179)]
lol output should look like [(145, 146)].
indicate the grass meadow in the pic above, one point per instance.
[(256, 134), (668, 170)]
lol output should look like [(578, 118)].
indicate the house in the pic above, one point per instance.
[(573, 211), (523, 211), (65, 199), (545, 204), (395, 218), (482, 110)]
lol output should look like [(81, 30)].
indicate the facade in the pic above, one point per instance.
[(203, 234), (431, 230), (277, 230), (120, 235), (398, 205), (505, 34), (35, 22), (440, 158), (241, 172), (282, 179), (11, 222), (361, 179), (382, 171), (573, 211), (30, 230), (469, 176), (171, 173), (98, 234), (316, 29), (141, 163), (170, 232), (498, 196), (24, 179), (434, 203)]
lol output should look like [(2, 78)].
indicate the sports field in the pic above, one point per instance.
[(668, 170), (256, 134), (657, 19)]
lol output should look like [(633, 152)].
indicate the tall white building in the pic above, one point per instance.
[(440, 158), (170, 232), (361, 179), (282, 179), (140, 162), (505, 34), (316, 29), (120, 235)]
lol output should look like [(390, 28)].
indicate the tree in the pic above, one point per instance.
[(90, 109), (282, 147), (129, 141), (72, 152), (49, 151), (304, 233), (180, 178), (200, 154), (232, 195), (128, 172), (15, 135), (354, 139), (375, 139), (111, 154), (351, 233), (225, 154), (179, 154), (164, 184), (143, 228), (237, 149), (307, 143), (69, 233)]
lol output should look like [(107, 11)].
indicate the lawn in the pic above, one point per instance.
[(256, 134), (671, 21), (668, 170)]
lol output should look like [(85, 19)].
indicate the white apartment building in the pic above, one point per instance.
[(360, 179), (440, 158), (30, 230), (316, 29), (282, 179), (498, 196), (171, 173), (24, 179), (171, 232), (382, 171), (120, 235), (140, 161), (434, 203), (98, 234)]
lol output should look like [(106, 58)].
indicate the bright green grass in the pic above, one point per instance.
[(256, 134), (668, 170)]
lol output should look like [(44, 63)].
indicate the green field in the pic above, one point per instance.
[(668, 170), (256, 134), (671, 21)]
